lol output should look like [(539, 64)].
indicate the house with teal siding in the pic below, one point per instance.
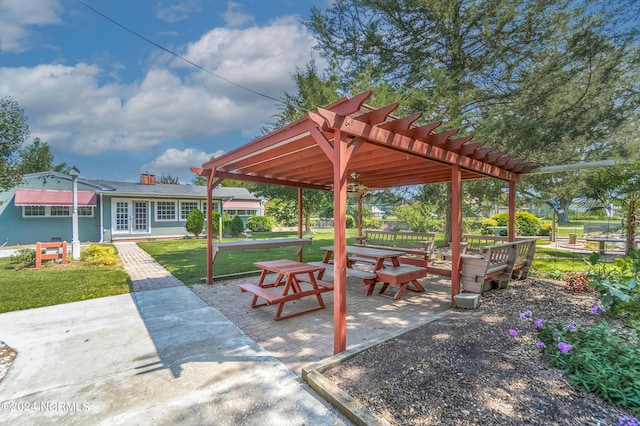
[(40, 208)]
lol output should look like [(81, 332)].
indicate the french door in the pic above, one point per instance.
[(130, 216)]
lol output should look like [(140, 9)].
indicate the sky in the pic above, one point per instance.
[(115, 106)]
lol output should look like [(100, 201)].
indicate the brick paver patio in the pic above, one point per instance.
[(308, 338)]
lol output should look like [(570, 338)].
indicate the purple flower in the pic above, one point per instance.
[(539, 323), (526, 315), (513, 332), (572, 326), (556, 334), (628, 421), (597, 309), (540, 345), (564, 347)]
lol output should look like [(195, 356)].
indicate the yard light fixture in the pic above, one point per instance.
[(75, 242)]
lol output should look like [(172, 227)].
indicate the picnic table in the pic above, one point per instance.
[(386, 269), (602, 240), (291, 276)]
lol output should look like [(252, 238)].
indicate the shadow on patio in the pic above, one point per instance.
[(308, 338)]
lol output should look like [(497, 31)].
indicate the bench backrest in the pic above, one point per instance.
[(498, 254), (403, 239)]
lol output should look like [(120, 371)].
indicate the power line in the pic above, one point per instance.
[(201, 68)]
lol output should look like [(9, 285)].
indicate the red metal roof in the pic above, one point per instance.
[(47, 197), (241, 204)]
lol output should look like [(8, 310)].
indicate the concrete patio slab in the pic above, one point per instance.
[(152, 357)]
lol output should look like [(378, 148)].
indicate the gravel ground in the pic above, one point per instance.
[(466, 369)]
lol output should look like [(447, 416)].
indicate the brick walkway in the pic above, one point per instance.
[(145, 272)]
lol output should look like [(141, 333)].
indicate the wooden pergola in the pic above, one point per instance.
[(322, 150)]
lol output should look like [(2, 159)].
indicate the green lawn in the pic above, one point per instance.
[(187, 259), (56, 284), (553, 263)]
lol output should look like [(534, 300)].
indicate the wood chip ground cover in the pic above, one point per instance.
[(465, 369)]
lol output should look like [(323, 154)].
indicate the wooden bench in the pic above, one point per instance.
[(368, 278), (402, 276), (418, 246), (259, 244), (51, 251), (475, 243), (496, 264)]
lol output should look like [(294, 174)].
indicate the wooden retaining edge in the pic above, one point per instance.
[(338, 398)]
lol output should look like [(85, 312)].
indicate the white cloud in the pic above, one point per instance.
[(17, 17), (80, 109), (177, 12), (262, 58), (177, 163), (234, 16)]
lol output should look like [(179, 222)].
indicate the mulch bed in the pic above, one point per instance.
[(466, 369)]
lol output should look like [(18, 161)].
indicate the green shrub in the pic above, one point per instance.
[(260, 223), (526, 223), (195, 222), (215, 221), (596, 359), (237, 226), (546, 229), (487, 225), (351, 222), (100, 255), (24, 258), (617, 283), (371, 222)]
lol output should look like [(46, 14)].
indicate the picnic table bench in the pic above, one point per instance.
[(417, 246), (496, 264)]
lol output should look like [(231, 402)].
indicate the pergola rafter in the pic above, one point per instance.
[(323, 149)]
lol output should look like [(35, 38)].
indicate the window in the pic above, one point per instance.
[(165, 210), (29, 211), (86, 211), (55, 211), (186, 207), (60, 211)]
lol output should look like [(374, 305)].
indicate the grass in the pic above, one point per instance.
[(553, 263), (54, 284), (187, 259)]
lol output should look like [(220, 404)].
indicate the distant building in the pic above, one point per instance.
[(377, 212), (40, 208)]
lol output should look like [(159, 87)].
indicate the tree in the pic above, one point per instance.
[(14, 130), (168, 179), (37, 157), (618, 186), (548, 80), (195, 222), (312, 91)]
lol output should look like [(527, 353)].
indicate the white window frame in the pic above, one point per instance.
[(195, 205), (48, 209), (175, 211)]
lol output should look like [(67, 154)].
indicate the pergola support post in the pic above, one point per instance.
[(360, 199), (340, 160), (511, 229), (456, 226), (300, 218)]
